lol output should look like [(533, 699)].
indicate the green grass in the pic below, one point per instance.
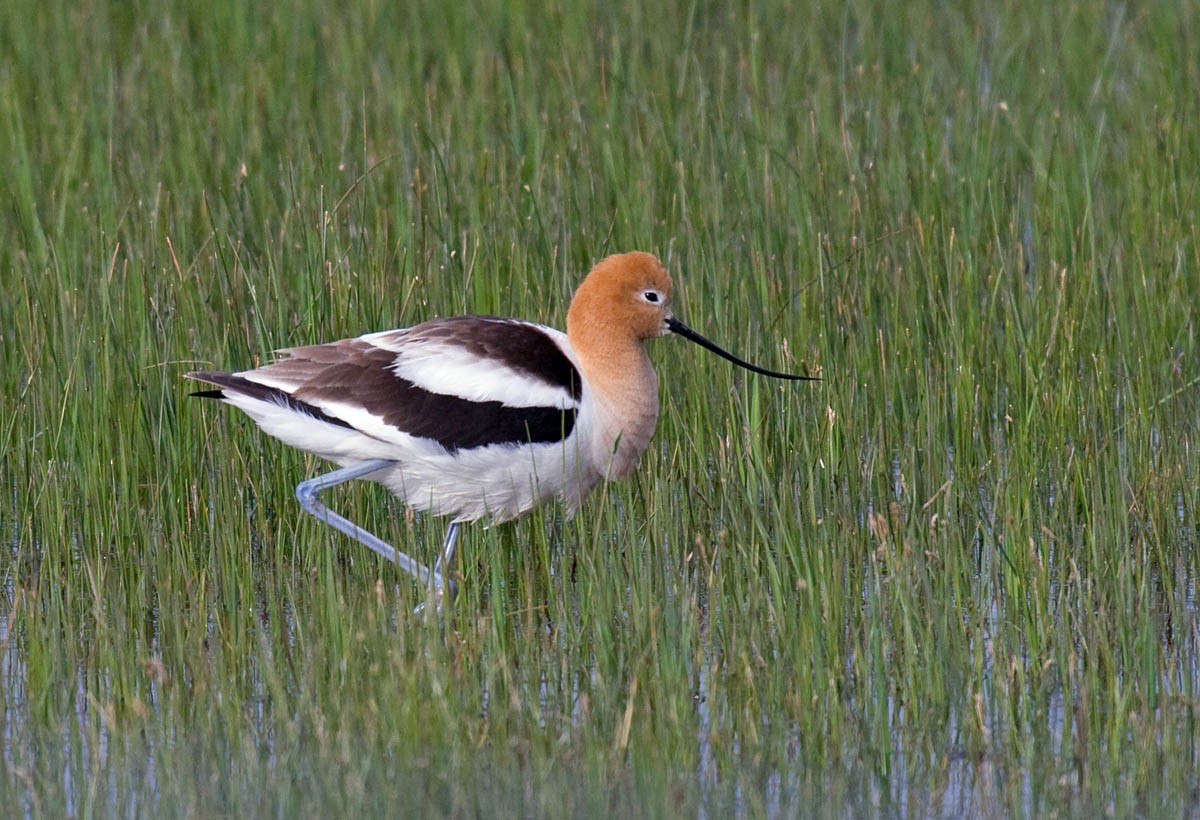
[(959, 575)]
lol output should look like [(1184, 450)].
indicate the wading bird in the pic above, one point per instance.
[(476, 416)]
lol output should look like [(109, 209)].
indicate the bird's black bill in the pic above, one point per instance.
[(686, 332)]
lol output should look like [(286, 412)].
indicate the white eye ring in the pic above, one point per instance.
[(652, 296)]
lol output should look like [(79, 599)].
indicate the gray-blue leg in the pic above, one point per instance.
[(307, 491), (439, 567)]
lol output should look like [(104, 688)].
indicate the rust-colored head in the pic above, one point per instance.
[(625, 298)]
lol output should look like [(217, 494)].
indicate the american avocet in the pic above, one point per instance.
[(475, 416)]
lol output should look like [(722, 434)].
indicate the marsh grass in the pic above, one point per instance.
[(956, 576)]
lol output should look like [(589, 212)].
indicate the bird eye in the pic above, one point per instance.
[(652, 296)]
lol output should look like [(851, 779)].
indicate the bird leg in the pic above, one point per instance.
[(447, 553), (307, 491), (435, 593)]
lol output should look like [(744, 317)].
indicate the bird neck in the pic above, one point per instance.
[(624, 388), (613, 363)]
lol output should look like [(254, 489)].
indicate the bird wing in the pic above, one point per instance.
[(463, 382)]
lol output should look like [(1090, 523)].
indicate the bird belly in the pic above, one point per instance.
[(497, 482)]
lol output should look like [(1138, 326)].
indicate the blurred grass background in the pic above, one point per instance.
[(958, 576)]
